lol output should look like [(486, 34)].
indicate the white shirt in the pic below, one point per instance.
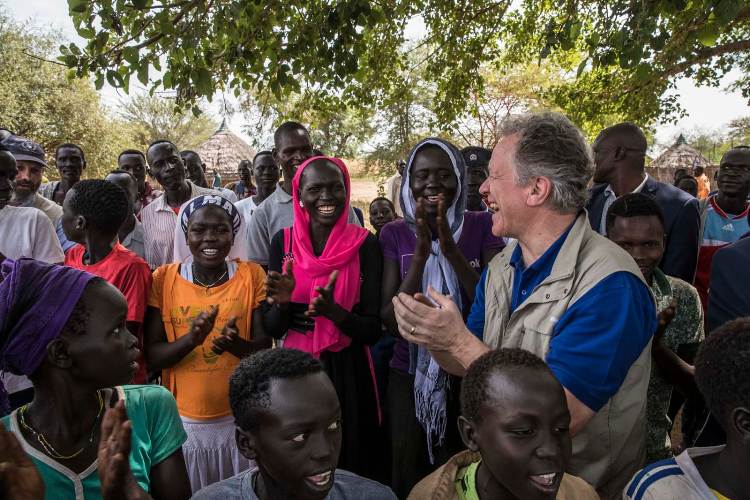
[(159, 222), (228, 194), (28, 232), (672, 479), (246, 208), (610, 197)]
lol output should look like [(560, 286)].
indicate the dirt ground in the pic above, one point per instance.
[(363, 192), (364, 189)]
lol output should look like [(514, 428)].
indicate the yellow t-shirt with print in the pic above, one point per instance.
[(200, 381)]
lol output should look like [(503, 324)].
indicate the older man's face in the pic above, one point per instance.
[(504, 198)]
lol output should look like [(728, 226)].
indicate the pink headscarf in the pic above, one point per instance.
[(310, 271)]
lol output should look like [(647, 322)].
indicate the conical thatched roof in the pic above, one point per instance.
[(223, 152), (679, 155)]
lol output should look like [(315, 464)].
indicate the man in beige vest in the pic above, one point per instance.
[(559, 290)]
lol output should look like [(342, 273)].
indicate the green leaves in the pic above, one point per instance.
[(356, 50), (77, 6)]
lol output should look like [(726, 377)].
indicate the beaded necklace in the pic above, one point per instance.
[(48, 448)]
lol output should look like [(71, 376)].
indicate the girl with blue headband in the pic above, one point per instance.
[(203, 317)]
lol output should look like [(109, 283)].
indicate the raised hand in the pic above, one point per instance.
[(18, 475), (665, 319), (229, 340), (279, 287), (113, 457), (324, 304), (202, 325), (445, 236), (424, 235)]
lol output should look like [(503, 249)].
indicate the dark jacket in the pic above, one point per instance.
[(729, 292), (681, 219)]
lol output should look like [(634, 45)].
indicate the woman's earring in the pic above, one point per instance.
[(301, 205)]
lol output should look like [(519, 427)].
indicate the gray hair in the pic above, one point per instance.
[(550, 146)]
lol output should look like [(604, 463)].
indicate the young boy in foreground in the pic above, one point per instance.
[(288, 420), (722, 372), (514, 420)]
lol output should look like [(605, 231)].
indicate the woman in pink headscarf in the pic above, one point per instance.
[(327, 300)]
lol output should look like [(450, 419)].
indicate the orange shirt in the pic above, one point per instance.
[(200, 382), (704, 186)]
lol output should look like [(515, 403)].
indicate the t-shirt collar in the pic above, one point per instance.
[(609, 192), (282, 195), (546, 260), (660, 284), (161, 201)]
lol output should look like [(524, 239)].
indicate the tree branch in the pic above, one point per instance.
[(43, 59), (699, 57)]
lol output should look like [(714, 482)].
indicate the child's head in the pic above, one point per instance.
[(722, 372), (382, 212), (210, 224), (94, 208), (515, 414), (288, 420)]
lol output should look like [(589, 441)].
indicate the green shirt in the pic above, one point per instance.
[(466, 482), (157, 433), (686, 329)]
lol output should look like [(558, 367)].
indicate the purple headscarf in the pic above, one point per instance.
[(36, 300)]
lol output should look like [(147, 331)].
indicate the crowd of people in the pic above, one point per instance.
[(542, 320)]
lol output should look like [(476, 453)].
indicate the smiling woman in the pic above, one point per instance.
[(326, 302), (204, 316)]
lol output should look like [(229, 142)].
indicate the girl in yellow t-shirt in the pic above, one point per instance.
[(204, 315)]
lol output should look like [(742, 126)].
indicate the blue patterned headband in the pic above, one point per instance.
[(210, 199)]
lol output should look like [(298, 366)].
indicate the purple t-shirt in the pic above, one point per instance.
[(398, 243)]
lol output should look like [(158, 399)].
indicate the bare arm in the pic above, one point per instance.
[(159, 352)]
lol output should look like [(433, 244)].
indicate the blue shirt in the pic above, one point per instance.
[(597, 339)]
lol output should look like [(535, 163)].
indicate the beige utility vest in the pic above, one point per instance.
[(611, 447)]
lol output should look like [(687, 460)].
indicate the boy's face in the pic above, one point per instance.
[(381, 214), (297, 440), (643, 238), (523, 434)]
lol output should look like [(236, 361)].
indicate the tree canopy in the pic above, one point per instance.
[(154, 117), (37, 100), (615, 58)]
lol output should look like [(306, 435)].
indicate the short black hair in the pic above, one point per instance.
[(119, 171), (70, 145), (76, 324), (722, 369), (265, 152), (250, 383), (104, 205), (131, 152), (161, 141), (686, 177), (476, 382), (634, 205), (741, 147), (383, 198), (190, 152), (285, 128), (626, 129)]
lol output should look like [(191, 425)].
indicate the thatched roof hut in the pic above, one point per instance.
[(223, 152), (680, 155)]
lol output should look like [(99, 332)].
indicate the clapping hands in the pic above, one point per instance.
[(279, 287)]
